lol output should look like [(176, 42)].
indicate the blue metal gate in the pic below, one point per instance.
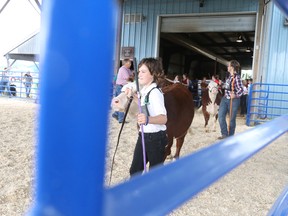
[(265, 102)]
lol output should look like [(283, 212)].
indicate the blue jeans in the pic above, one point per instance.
[(118, 115), (28, 89), (224, 109)]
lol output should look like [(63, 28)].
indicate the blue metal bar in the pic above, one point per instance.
[(275, 92), (270, 84), (266, 114), (280, 207), (248, 116), (164, 188), (278, 100), (74, 110), (271, 107)]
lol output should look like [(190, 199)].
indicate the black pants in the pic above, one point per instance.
[(243, 105), (155, 149)]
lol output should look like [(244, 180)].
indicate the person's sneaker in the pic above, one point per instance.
[(222, 137), (114, 115)]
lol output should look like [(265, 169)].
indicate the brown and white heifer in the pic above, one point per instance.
[(211, 98), (180, 112)]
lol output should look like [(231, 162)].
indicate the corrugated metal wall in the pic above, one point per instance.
[(277, 64), (274, 57), (274, 47), (142, 35)]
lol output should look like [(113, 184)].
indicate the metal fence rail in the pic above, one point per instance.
[(15, 87), (265, 102)]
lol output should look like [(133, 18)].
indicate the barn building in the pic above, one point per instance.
[(198, 37)]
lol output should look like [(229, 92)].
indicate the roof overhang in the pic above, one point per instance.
[(21, 56)]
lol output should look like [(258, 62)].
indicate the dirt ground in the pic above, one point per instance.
[(250, 189)]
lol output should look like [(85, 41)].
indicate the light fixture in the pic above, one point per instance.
[(239, 39), (248, 50)]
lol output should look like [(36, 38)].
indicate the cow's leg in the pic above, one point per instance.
[(206, 118), (179, 144), (214, 123), (168, 147)]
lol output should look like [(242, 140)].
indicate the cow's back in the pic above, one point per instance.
[(180, 109)]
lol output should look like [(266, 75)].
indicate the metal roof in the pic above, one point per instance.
[(27, 50)]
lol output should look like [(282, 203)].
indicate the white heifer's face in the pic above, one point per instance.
[(213, 88), (119, 103)]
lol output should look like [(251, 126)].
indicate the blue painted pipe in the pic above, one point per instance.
[(76, 73), (280, 207)]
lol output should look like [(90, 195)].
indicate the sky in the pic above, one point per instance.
[(18, 21)]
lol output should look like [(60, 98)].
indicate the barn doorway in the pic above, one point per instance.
[(202, 44)]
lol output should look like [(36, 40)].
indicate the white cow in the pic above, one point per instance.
[(211, 98)]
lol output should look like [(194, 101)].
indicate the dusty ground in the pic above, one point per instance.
[(251, 189)]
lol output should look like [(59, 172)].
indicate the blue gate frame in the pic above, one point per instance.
[(266, 101), (73, 127)]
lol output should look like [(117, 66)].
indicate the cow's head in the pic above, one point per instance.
[(120, 102), (213, 88)]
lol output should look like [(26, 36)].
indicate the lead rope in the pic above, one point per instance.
[(140, 111), (231, 99), (118, 139), (142, 135)]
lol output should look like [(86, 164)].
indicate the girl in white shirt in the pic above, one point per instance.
[(153, 117)]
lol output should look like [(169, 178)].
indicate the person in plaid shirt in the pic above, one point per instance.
[(231, 100)]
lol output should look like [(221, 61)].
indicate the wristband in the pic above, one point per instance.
[(147, 120)]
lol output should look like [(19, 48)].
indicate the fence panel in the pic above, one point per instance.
[(265, 102), (12, 83)]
